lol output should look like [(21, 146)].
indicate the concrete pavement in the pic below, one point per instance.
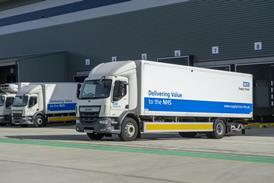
[(59, 154)]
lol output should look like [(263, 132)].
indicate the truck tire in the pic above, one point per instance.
[(95, 136), (219, 130), (3, 124), (188, 134), (129, 130), (39, 121)]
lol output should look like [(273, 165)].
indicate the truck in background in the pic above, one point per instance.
[(7, 94), (40, 103), (133, 97)]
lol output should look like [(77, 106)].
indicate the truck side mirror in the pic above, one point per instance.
[(78, 90)]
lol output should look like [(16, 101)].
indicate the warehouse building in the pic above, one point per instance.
[(47, 40)]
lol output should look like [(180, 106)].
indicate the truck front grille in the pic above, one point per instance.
[(17, 115), (89, 117)]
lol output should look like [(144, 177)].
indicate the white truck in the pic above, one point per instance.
[(7, 94), (133, 97), (40, 103)]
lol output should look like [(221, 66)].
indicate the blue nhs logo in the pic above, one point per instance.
[(246, 84)]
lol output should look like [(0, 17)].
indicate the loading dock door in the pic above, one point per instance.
[(8, 73), (263, 74)]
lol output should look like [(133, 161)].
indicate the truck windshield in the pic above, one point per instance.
[(95, 89), (2, 100), (20, 101)]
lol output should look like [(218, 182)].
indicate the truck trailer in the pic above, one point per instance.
[(41, 103), (133, 97), (7, 94)]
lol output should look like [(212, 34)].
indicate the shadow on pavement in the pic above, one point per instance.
[(260, 132), (84, 137), (52, 137), (53, 126), (267, 132)]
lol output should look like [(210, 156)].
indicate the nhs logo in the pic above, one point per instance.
[(246, 84)]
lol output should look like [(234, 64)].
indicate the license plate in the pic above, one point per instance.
[(88, 131)]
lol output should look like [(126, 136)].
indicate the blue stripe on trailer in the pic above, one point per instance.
[(61, 107), (196, 106)]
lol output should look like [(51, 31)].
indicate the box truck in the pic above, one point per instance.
[(40, 103), (133, 97), (7, 94)]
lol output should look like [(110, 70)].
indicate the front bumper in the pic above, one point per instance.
[(100, 125), (6, 119), (25, 120)]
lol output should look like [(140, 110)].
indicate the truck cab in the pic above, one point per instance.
[(26, 105), (104, 100), (7, 95), (105, 97), (6, 101)]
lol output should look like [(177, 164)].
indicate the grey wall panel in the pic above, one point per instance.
[(46, 68), (14, 4), (192, 26)]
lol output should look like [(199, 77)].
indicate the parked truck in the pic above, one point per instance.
[(41, 103), (7, 94), (133, 97)]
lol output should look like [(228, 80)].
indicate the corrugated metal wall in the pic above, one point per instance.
[(194, 27), (46, 67)]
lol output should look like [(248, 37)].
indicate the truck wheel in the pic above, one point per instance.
[(39, 121), (3, 124), (219, 130), (95, 136), (129, 130), (188, 134)]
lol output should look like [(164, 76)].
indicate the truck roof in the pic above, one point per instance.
[(28, 89), (196, 68), (33, 87), (12, 87), (112, 69), (122, 67)]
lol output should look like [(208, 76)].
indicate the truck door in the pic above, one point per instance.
[(119, 98), (32, 105), (9, 102)]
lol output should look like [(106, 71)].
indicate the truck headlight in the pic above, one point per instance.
[(107, 121)]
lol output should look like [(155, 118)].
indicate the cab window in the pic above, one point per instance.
[(9, 101), (120, 90), (32, 101)]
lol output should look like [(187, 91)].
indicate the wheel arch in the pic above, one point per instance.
[(214, 134), (39, 113), (226, 122), (131, 114)]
